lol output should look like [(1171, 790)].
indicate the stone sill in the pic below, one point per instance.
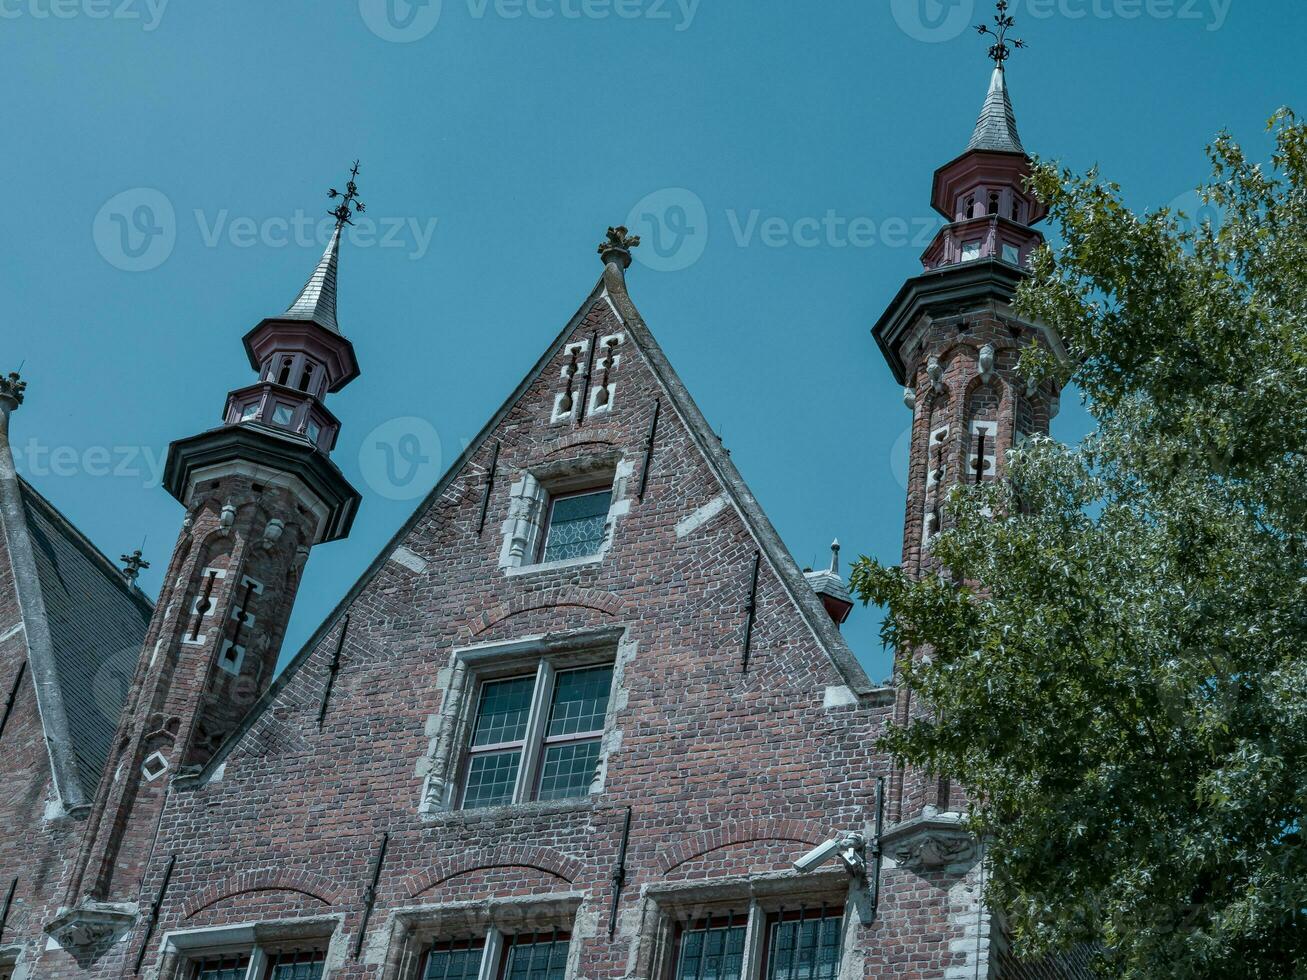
[(543, 568), (507, 813)]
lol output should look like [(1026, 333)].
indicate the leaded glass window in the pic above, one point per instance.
[(712, 951), (576, 724), (576, 525), (296, 966), (512, 758), (535, 958), (804, 946), (454, 961), (498, 738), (221, 968)]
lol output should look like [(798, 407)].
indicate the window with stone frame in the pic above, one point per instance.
[(529, 956), (576, 524), (257, 963), (564, 512), (536, 736), (759, 939)]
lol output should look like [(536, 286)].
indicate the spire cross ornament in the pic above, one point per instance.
[(342, 212), (134, 564), (999, 52)]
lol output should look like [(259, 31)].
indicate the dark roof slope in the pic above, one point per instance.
[(97, 624)]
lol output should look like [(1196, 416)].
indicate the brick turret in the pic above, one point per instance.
[(260, 491), (953, 340)]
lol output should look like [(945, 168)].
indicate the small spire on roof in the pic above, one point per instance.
[(835, 557), (831, 588), (996, 129), (133, 564)]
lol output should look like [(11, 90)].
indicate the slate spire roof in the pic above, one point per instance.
[(317, 300), (996, 129)]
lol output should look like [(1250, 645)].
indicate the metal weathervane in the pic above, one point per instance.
[(999, 52), (350, 197)]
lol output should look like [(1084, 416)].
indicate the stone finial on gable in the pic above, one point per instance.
[(617, 246), (12, 388)]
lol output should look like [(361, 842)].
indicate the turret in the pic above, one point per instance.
[(260, 490)]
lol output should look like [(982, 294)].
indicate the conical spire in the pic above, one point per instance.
[(996, 129), (317, 300)]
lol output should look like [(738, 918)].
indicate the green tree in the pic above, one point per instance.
[(1124, 693)]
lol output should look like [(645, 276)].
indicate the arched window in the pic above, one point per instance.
[(993, 202), (971, 207), (283, 376), (1016, 209), (306, 376)]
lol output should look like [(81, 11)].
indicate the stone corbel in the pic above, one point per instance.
[(91, 924), (931, 842)]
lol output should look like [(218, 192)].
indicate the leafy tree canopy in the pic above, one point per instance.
[(1125, 692)]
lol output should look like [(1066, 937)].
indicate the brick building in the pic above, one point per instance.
[(578, 719)]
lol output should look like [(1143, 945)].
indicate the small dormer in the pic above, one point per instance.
[(831, 589)]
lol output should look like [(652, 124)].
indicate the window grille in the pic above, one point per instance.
[(535, 957), (221, 968), (804, 945), (712, 950), (455, 961), (300, 965)]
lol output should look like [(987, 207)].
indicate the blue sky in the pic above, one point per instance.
[(166, 166)]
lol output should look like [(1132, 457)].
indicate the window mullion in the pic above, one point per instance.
[(754, 935), (491, 955), (258, 964), (535, 730)]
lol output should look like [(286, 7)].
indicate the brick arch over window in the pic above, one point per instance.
[(606, 438), (304, 883), (740, 832), (604, 602), (544, 859)]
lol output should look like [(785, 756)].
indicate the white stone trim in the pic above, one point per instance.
[(409, 559), (702, 516)]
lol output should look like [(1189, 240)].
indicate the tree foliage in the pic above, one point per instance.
[(1125, 694)]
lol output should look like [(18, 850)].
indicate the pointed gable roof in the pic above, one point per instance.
[(316, 302), (610, 289), (996, 129)]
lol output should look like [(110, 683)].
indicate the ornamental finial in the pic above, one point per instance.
[(13, 387), (133, 564), (349, 197), (618, 243), (999, 52)]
